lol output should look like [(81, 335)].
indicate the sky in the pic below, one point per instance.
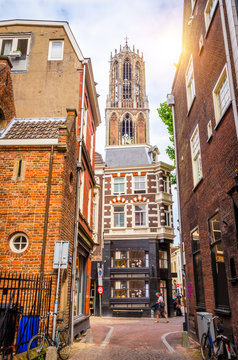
[(100, 27)]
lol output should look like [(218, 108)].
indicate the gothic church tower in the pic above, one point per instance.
[(127, 108)]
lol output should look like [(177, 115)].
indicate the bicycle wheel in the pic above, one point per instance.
[(63, 344), (37, 347), (206, 348)]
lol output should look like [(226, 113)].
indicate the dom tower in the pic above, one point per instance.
[(127, 111), (136, 228)]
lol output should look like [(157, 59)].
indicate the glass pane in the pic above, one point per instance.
[(6, 47), (215, 228), (195, 241), (56, 50), (198, 276), (22, 46)]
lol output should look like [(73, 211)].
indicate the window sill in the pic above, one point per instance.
[(226, 312), (191, 105), (198, 183), (118, 228), (140, 227), (222, 116)]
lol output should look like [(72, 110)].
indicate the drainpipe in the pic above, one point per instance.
[(171, 103), (79, 167), (46, 214), (228, 59)]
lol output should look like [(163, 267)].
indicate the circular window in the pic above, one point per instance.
[(19, 243)]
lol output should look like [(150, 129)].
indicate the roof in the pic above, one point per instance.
[(31, 129), (128, 156), (98, 158)]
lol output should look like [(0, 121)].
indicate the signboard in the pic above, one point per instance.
[(177, 285), (61, 255), (100, 290)]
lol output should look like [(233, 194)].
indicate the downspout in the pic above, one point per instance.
[(79, 167), (171, 103), (228, 59), (46, 213)]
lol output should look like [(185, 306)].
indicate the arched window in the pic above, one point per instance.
[(126, 79), (127, 130), (116, 80)]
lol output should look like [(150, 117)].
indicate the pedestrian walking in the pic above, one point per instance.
[(161, 307)]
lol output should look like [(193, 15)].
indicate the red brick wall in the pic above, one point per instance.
[(219, 155)]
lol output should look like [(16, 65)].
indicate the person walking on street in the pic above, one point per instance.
[(161, 308)]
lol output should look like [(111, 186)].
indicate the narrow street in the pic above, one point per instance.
[(132, 338)]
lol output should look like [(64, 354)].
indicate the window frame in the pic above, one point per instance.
[(115, 213), (166, 184), (190, 83), (196, 158), (218, 111), (50, 58), (139, 191), (168, 215), (13, 238), (163, 260), (118, 184), (145, 211), (208, 17)]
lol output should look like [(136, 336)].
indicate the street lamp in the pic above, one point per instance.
[(234, 195)]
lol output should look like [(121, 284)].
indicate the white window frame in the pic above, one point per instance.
[(209, 12), (168, 215), (193, 3), (196, 156), (50, 50), (218, 109), (120, 183), (89, 205), (166, 184), (13, 238), (81, 184), (139, 182), (190, 83), (85, 123), (134, 215), (124, 213), (15, 42)]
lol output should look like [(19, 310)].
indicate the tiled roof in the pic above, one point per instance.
[(127, 156), (36, 128), (98, 158)]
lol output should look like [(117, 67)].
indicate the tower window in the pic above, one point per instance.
[(127, 79), (127, 130)]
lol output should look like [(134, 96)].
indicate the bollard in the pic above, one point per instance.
[(51, 353), (185, 339)]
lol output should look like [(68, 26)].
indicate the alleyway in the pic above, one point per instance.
[(131, 338)]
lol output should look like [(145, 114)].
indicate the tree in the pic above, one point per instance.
[(165, 113)]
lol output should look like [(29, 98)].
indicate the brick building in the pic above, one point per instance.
[(49, 75), (136, 199), (204, 102)]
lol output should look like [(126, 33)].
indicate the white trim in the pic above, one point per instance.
[(17, 142), (13, 249), (50, 58)]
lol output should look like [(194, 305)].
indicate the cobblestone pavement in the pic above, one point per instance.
[(131, 339)]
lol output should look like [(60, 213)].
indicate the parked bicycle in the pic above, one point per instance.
[(39, 343), (221, 348)]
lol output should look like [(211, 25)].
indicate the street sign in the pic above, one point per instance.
[(100, 290), (61, 255), (177, 285), (100, 281)]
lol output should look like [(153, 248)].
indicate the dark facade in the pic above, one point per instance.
[(205, 118), (137, 222)]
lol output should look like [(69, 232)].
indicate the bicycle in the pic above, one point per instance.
[(39, 343), (220, 348)]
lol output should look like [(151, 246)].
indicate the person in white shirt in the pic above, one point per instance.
[(161, 308)]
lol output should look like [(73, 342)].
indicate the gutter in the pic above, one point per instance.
[(46, 213), (76, 220), (228, 59)]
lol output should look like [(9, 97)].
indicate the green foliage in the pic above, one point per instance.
[(165, 113)]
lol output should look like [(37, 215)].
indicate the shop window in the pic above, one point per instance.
[(218, 264), (129, 289), (129, 259), (197, 268)]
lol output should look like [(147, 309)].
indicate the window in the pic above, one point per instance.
[(209, 130), (167, 213), (218, 265), (127, 80), (17, 48), (221, 95), (140, 215), (190, 85), (19, 243), (119, 216), (116, 81), (197, 268), (166, 184), (129, 289), (89, 205), (56, 49), (139, 184), (209, 12), (3, 122), (163, 259), (119, 185), (127, 130), (196, 156), (79, 286), (129, 259), (81, 188), (85, 123)]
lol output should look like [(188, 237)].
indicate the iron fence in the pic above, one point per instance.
[(23, 298)]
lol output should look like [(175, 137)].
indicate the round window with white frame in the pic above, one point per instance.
[(19, 243)]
